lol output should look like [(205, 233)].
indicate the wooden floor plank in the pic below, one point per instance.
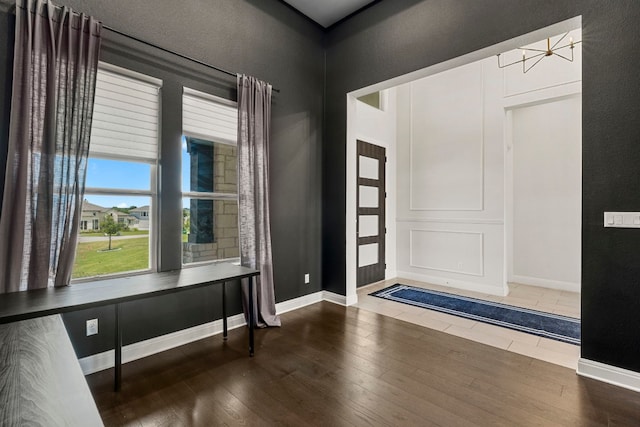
[(333, 365)]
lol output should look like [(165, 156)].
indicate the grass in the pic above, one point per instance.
[(133, 254), (122, 233)]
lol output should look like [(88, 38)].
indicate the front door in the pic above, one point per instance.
[(371, 200)]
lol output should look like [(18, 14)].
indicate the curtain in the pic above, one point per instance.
[(54, 74), (254, 123)]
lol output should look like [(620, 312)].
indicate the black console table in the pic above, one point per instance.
[(18, 306)]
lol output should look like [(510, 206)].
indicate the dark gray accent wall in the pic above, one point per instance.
[(262, 38), (396, 37)]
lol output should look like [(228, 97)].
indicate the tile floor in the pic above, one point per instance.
[(542, 299)]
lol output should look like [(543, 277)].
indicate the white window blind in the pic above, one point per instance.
[(125, 115), (209, 117)]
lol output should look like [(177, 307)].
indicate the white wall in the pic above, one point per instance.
[(451, 171), (378, 127), (546, 155), (450, 178)]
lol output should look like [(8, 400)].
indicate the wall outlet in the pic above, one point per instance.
[(92, 327), (306, 278)]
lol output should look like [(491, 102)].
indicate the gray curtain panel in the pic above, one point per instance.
[(254, 123), (54, 75)]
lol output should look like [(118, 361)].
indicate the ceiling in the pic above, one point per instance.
[(327, 12)]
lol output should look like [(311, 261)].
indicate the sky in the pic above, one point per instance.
[(116, 174)]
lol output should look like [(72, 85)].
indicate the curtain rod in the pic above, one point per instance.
[(197, 61), (13, 7)]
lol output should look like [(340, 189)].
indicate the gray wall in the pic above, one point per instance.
[(395, 37), (265, 39)]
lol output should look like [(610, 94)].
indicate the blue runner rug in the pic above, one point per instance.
[(554, 326)]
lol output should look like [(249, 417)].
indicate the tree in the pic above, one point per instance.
[(186, 221), (110, 227)]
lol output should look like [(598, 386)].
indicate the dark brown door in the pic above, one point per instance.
[(371, 198)]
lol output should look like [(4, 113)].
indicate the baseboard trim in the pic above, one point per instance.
[(296, 303), (138, 350), (101, 361), (546, 283), (609, 374), (339, 299), (453, 283)]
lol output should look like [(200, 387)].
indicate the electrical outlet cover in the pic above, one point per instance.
[(92, 327)]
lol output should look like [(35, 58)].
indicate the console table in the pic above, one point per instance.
[(19, 306), (42, 383)]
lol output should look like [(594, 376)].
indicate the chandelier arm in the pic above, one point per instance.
[(567, 45), (524, 70), (559, 40), (532, 50), (564, 57), (507, 65), (535, 56), (539, 55)]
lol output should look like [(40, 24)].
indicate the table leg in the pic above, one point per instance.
[(224, 311), (118, 350), (251, 316)]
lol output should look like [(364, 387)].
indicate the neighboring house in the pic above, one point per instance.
[(91, 216), (128, 220), (142, 216)]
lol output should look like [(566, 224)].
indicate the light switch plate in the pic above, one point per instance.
[(622, 219)]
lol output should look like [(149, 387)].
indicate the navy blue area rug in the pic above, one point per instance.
[(553, 326)]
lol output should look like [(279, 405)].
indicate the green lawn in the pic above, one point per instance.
[(122, 233), (133, 255)]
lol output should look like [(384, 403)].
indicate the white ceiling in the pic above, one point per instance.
[(327, 12)]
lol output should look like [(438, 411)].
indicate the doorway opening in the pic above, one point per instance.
[(467, 135)]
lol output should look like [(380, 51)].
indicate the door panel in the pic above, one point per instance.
[(371, 198)]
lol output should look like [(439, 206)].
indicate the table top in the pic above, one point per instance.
[(42, 383), (42, 302)]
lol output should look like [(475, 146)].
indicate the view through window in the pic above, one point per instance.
[(114, 228), (210, 208), (117, 218)]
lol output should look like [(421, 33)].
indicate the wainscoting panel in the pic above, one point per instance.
[(452, 251)]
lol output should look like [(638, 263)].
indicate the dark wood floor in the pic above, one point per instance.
[(331, 365)]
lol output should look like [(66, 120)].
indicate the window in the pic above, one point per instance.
[(121, 176), (209, 178), (373, 99)]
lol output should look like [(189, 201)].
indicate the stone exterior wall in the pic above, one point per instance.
[(225, 212)]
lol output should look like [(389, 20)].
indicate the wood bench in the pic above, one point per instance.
[(19, 306)]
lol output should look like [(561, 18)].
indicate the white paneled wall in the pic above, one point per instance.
[(451, 198), (451, 183)]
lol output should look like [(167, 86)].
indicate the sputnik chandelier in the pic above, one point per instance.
[(537, 55)]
